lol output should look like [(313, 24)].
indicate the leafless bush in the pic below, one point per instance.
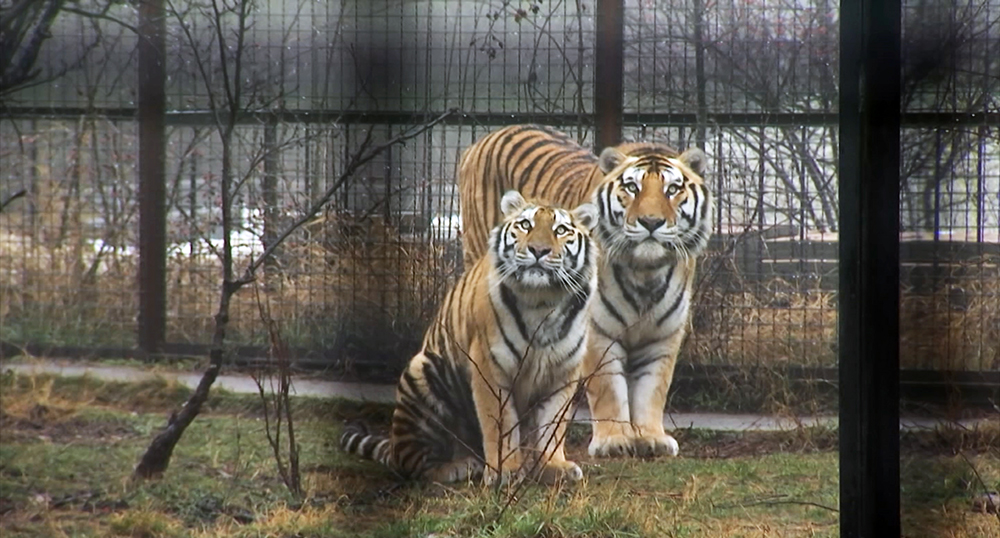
[(274, 384)]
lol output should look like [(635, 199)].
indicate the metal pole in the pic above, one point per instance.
[(701, 83), (269, 193), (868, 313), (609, 72), (152, 177)]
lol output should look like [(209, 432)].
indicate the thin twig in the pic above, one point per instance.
[(360, 159), (774, 500), (19, 194), (982, 483)]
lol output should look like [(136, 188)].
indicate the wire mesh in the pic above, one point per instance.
[(950, 187), (754, 83)]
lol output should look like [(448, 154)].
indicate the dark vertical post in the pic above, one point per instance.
[(152, 176), (389, 178), (701, 83), (868, 316), (981, 184), (269, 193), (33, 189), (609, 72)]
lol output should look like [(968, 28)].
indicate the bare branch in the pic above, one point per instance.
[(19, 194), (24, 26), (102, 15), (280, 403), (362, 157), (774, 500), (199, 63)]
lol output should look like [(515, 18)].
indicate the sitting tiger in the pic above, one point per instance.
[(490, 390), (655, 218)]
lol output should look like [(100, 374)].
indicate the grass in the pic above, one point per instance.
[(356, 289), (69, 445), (361, 290), (953, 327)]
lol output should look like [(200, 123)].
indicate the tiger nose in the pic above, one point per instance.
[(651, 223), (539, 252)]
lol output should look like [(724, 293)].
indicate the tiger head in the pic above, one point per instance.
[(653, 203), (543, 246)]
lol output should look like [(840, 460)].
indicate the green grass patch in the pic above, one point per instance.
[(69, 446)]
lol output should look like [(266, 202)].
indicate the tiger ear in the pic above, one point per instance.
[(610, 159), (695, 159), (586, 215), (512, 201)]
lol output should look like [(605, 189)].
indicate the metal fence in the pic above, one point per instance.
[(753, 82)]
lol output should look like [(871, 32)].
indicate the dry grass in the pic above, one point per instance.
[(360, 293), (144, 523), (771, 329), (955, 326), (358, 289), (222, 481), (357, 292), (366, 297), (373, 287), (64, 293), (38, 402), (947, 328)]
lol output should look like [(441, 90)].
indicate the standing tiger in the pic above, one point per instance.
[(500, 363), (654, 219)]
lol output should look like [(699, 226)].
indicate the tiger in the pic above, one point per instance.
[(487, 395), (655, 214)]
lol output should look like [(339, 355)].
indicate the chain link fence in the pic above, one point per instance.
[(752, 82)]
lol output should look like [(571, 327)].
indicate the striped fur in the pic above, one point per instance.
[(655, 219), (490, 387)]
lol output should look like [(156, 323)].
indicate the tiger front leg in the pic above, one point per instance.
[(550, 439), (607, 397), (648, 388), (501, 433)]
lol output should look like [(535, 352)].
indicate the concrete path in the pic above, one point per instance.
[(386, 393), (242, 384)]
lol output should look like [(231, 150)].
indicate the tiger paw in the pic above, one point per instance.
[(651, 446), (557, 472), (509, 474), (455, 471), (610, 446)]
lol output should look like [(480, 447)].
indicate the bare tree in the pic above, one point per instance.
[(24, 26), (276, 402), (751, 58), (948, 66), (229, 24), (782, 57)]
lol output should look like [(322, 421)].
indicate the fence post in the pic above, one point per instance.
[(269, 195), (609, 72), (868, 311), (152, 177), (701, 82)]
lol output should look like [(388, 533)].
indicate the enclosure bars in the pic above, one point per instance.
[(152, 177), (868, 312), (175, 118), (609, 75)]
